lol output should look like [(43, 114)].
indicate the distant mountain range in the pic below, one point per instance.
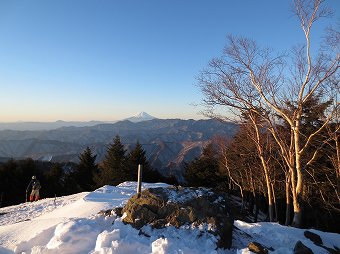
[(168, 142), (38, 126)]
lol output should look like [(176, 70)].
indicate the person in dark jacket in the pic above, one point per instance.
[(35, 184)]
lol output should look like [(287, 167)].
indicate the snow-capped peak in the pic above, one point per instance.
[(140, 117), (143, 115)]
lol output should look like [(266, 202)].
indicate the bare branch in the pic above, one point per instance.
[(313, 135)]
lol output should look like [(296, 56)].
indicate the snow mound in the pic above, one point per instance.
[(71, 224)]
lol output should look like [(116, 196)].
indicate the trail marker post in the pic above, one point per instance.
[(139, 183)]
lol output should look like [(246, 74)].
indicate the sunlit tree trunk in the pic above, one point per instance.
[(260, 152), (288, 203)]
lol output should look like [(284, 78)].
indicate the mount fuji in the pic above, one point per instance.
[(140, 117), (46, 126)]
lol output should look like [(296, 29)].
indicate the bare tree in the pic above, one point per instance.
[(257, 139), (249, 78)]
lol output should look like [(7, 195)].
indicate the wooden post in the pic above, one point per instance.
[(139, 183)]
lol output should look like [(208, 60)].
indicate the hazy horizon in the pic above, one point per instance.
[(94, 120)]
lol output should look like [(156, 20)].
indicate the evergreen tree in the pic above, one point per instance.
[(114, 169), (204, 171), (86, 169), (14, 178), (9, 184), (138, 156), (54, 181)]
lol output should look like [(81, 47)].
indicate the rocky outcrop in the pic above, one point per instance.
[(160, 207)]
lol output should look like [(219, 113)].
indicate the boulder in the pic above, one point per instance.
[(257, 248), (300, 248), (178, 206), (315, 238)]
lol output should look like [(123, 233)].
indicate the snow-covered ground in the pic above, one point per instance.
[(71, 224)]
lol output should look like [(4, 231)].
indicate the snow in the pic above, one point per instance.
[(143, 114), (140, 117), (184, 195), (283, 239), (71, 224)]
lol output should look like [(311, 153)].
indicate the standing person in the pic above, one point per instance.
[(35, 184)]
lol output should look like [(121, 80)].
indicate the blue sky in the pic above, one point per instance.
[(108, 60)]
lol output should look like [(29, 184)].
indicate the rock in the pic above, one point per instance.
[(336, 250), (257, 248), (105, 212), (178, 206), (300, 248), (118, 211), (315, 238)]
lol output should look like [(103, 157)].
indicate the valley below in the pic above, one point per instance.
[(168, 143)]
